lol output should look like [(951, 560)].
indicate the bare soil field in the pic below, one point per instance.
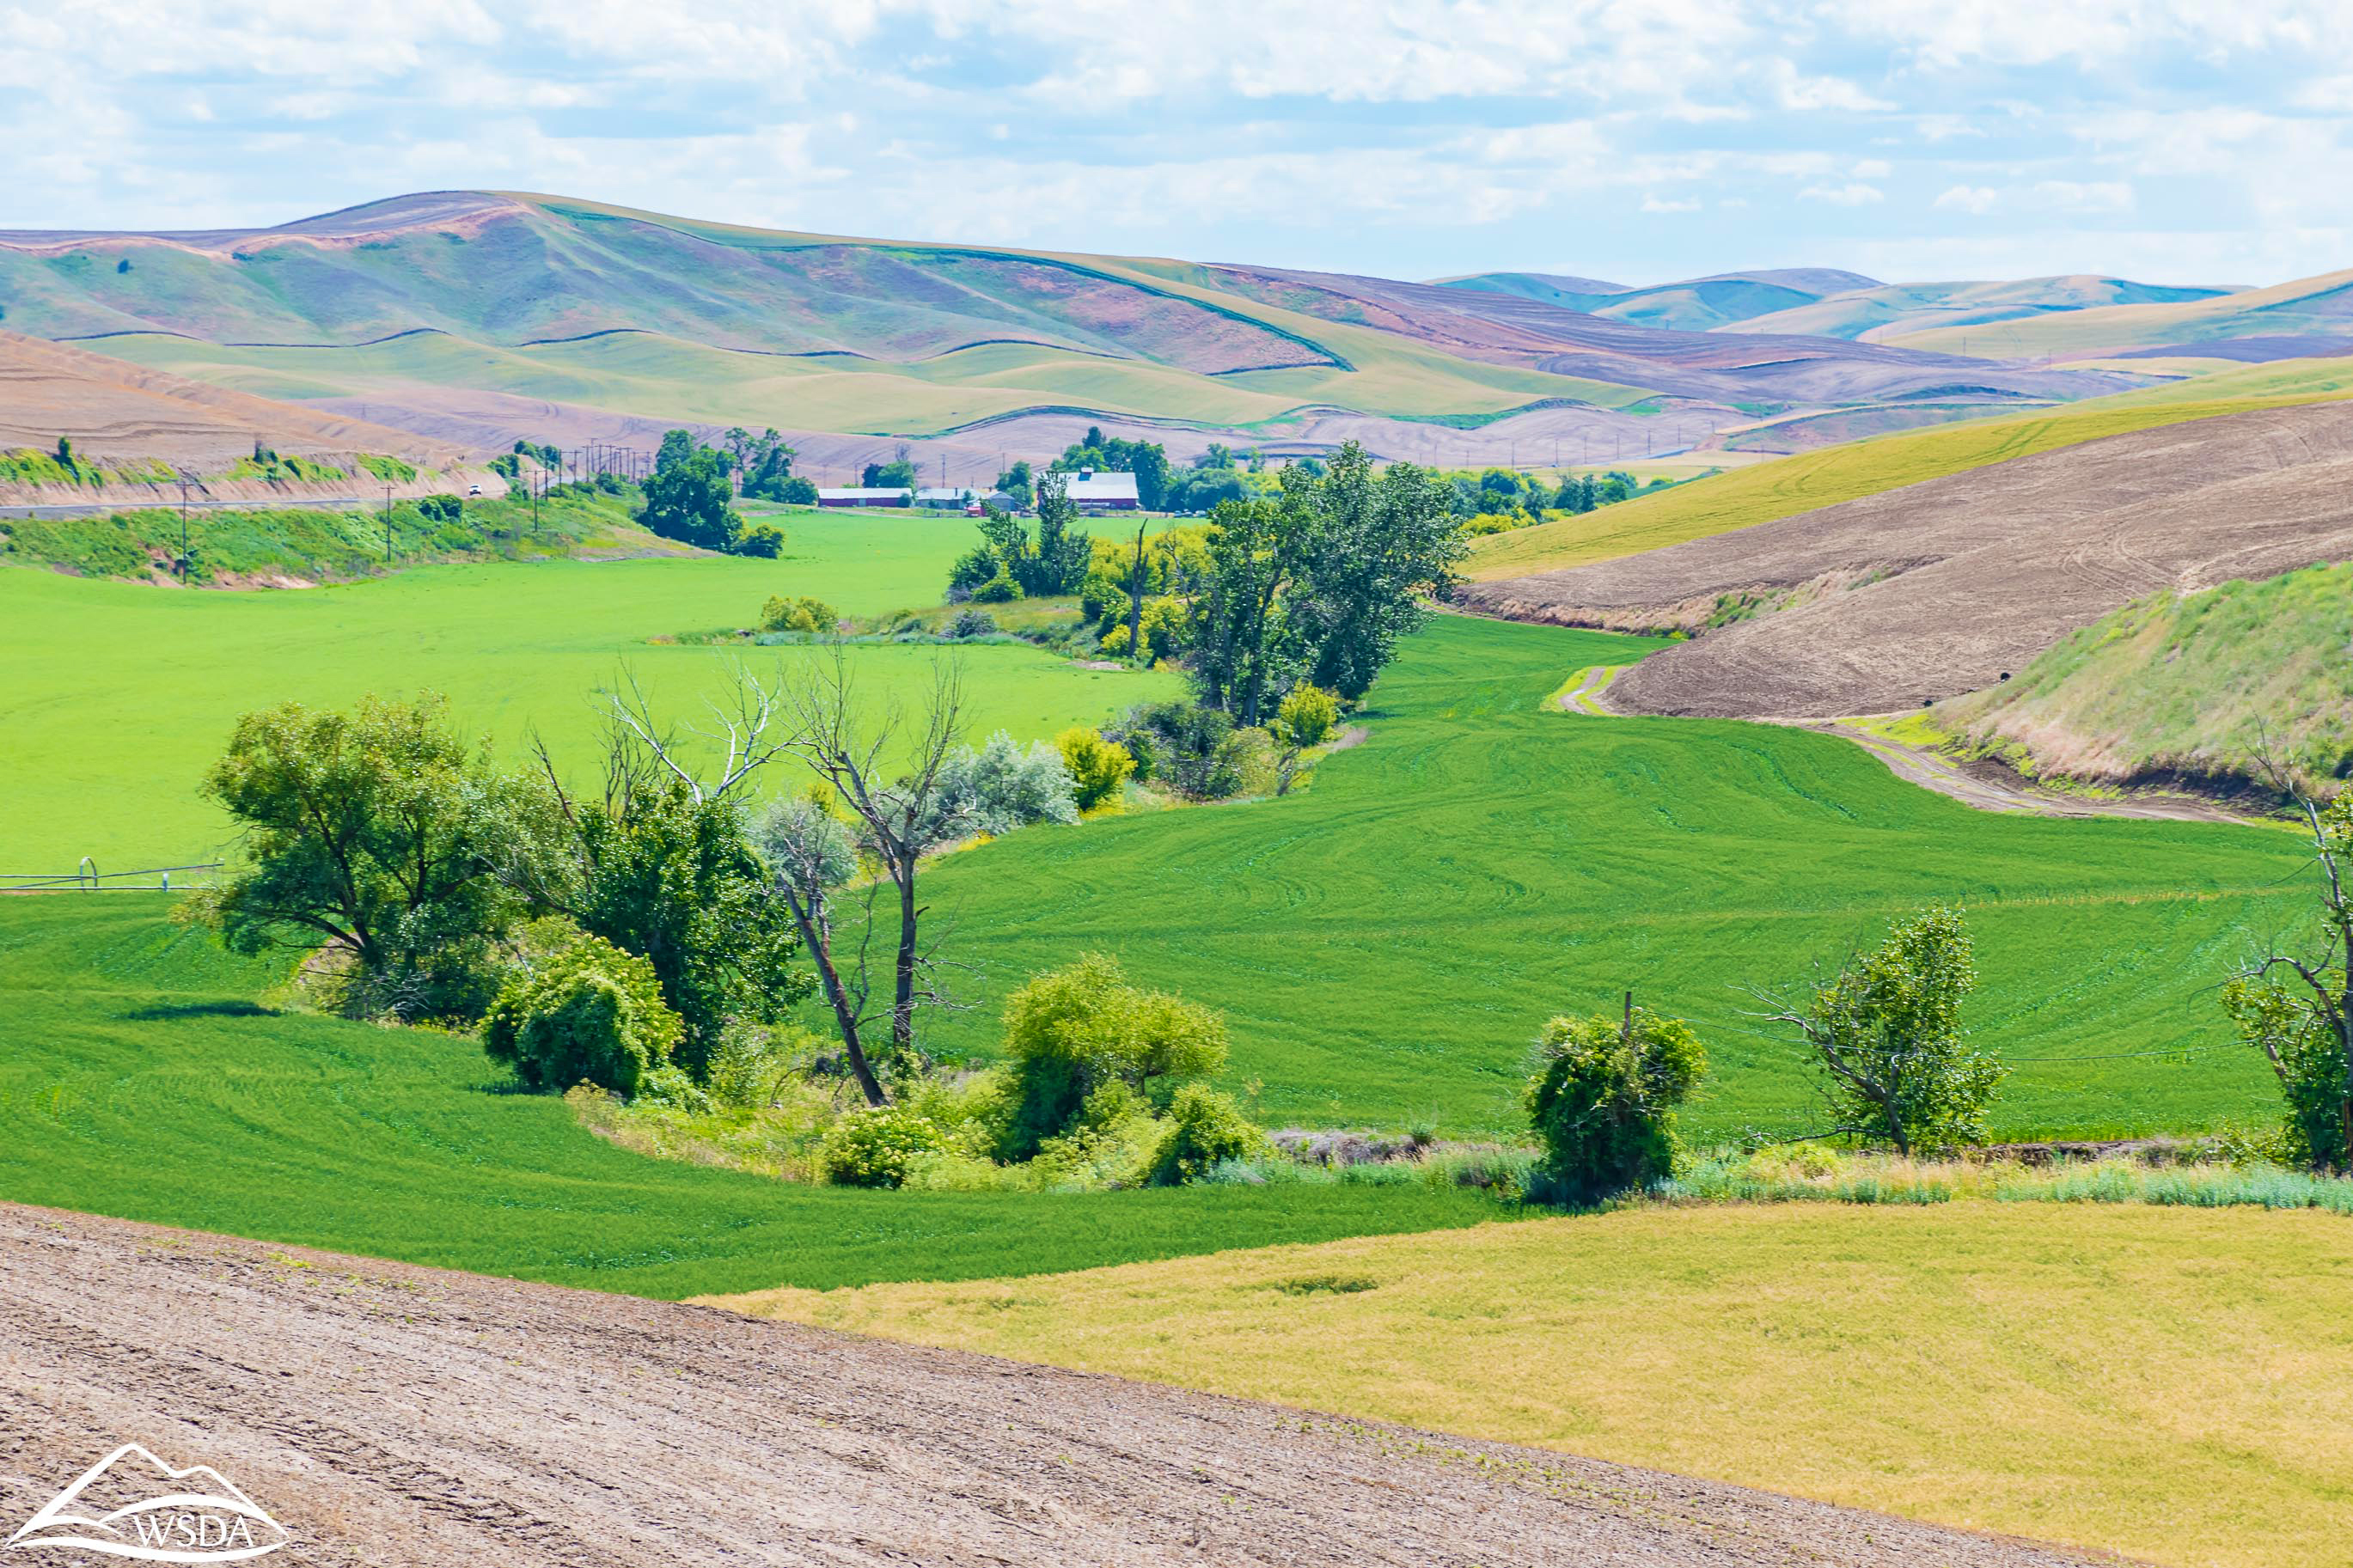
[(387, 1414), (1924, 593), (113, 409)]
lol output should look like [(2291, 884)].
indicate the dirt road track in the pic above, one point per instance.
[(391, 1416)]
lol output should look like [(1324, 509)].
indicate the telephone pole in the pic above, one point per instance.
[(184, 531), (387, 524)]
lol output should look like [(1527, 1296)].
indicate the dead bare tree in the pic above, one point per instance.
[(889, 770), (743, 725), (811, 856), (2271, 1014)]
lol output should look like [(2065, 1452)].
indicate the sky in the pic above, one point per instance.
[(2169, 140)]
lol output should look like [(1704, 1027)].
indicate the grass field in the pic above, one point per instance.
[(1742, 497), (141, 1077), (2168, 1384), (1388, 943), (2313, 305), (120, 694), (2189, 683)]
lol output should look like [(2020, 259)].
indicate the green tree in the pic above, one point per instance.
[(1071, 1031), (1015, 483), (896, 475), (2297, 1007), (1886, 1034), (1604, 1095), (1058, 565), (573, 1009), (660, 869), (1203, 1130), (766, 467), (365, 833), (689, 496), (1378, 547), (1245, 651)]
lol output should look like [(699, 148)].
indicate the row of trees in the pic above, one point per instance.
[(691, 494)]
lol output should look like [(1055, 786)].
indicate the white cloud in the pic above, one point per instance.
[(1979, 199), (2073, 196), (1653, 204), (1852, 194)]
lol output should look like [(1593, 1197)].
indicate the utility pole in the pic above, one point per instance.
[(387, 524), (184, 531)]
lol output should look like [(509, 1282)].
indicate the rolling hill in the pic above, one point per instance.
[(1879, 312), (1692, 305), (1922, 592), (482, 315), (2308, 316)]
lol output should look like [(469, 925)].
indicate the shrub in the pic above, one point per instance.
[(2308, 1061), (1000, 787), (764, 539), (874, 1148), (1070, 1032), (973, 623), (1164, 629), (1603, 1099), (798, 615), (1098, 767), (1115, 642), (442, 509), (798, 491), (998, 590), (1204, 1129), (1307, 716), (576, 1009)]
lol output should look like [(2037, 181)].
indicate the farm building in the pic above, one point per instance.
[(948, 498), (859, 496), (1092, 490)]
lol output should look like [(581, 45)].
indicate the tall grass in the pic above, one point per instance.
[(1827, 1176)]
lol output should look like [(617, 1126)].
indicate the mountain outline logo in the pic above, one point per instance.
[(207, 1519)]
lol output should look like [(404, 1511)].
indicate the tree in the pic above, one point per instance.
[(1147, 461), (1016, 481), (689, 496), (1071, 1031), (812, 857), (1059, 562), (658, 864), (889, 770), (2297, 1005), (765, 466), (1245, 654), (1886, 1034), (896, 475), (365, 833), (1603, 1099), (1378, 547)]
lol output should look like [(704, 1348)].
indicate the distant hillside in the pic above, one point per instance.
[(1692, 305), (114, 409), (1880, 312), (2186, 686), (2318, 311), (486, 315)]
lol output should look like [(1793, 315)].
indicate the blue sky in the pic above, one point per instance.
[(2177, 141)]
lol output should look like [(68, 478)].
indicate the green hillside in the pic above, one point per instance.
[(1388, 943), (144, 1077), (2186, 685), (120, 694)]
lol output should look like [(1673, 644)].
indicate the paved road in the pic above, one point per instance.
[(101, 508)]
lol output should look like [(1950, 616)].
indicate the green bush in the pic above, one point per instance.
[(1602, 1101), (998, 590), (442, 509), (1069, 1032), (798, 615), (576, 1009), (764, 539), (1204, 1129), (1098, 767), (1307, 716), (874, 1148), (391, 470)]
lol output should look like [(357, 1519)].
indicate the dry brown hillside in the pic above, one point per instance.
[(113, 409), (1920, 594)]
